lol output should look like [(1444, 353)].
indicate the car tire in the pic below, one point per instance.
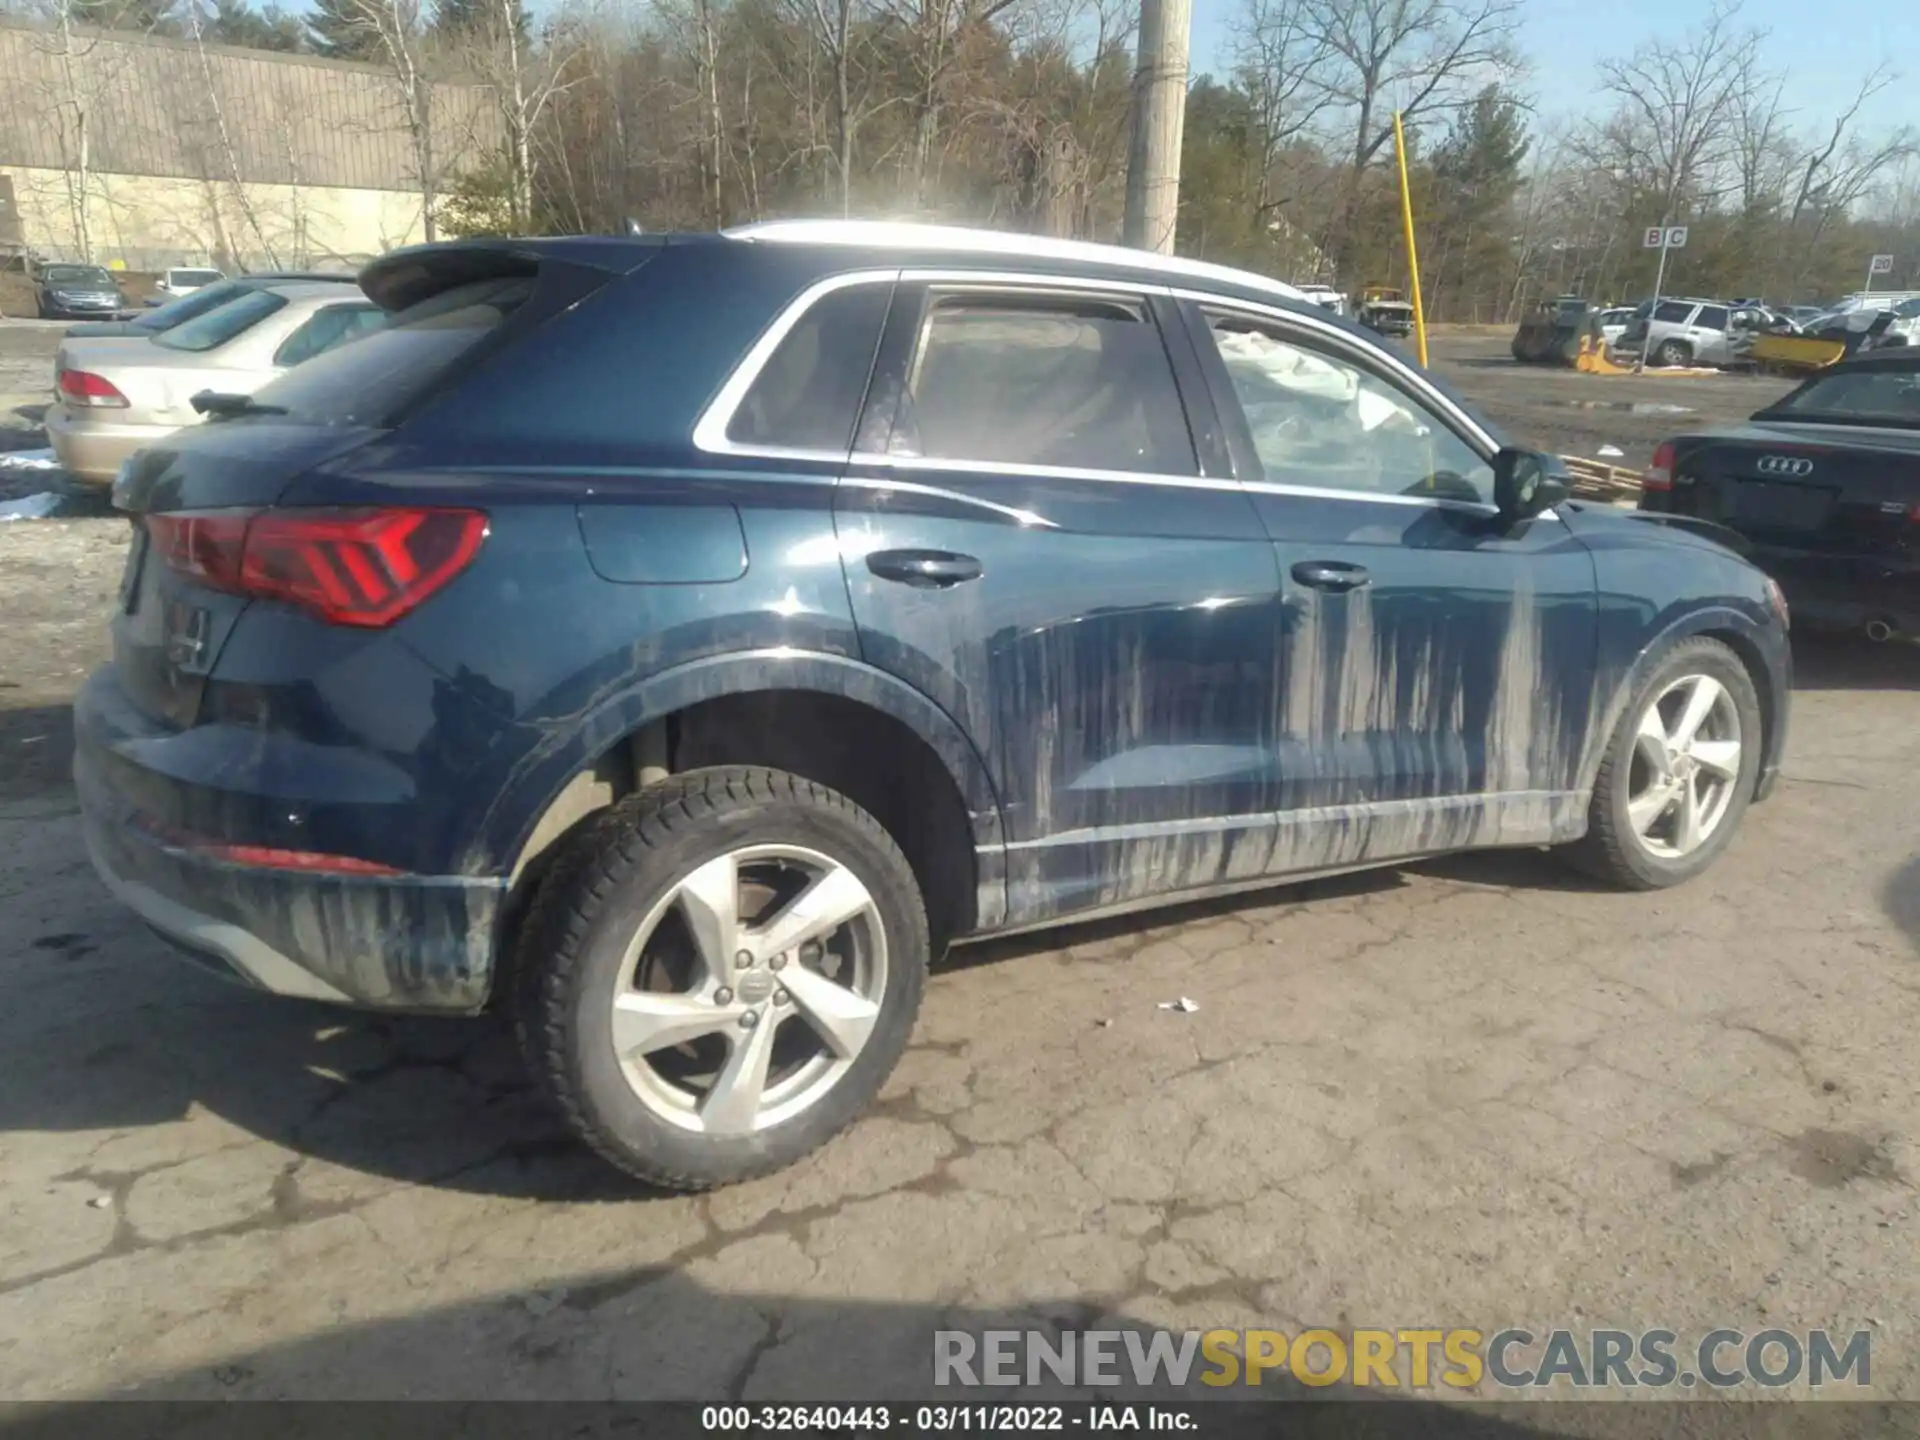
[(637, 905), (1673, 354), (1635, 841)]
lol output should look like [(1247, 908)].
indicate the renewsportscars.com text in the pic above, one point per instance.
[(1406, 1359)]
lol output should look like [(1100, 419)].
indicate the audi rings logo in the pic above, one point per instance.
[(1785, 465)]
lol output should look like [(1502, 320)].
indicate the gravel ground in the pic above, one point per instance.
[(1464, 1093)]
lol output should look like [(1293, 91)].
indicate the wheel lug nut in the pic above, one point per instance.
[(780, 997), (723, 996), (750, 1019), (744, 959), (811, 952), (778, 962)]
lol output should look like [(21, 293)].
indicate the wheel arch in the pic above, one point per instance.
[(1724, 623), (830, 719)]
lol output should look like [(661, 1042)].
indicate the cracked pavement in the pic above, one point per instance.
[(1470, 1092)]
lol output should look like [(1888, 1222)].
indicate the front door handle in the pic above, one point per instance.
[(925, 569), (1334, 575)]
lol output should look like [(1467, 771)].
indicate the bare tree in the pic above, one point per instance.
[(1678, 106), (1279, 52), (1414, 56)]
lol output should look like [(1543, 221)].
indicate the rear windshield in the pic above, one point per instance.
[(77, 275), (1863, 397), (222, 323), (373, 379), (188, 307)]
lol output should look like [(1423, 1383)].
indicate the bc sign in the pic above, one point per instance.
[(1665, 237)]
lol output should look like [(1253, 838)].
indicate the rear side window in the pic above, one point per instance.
[(375, 377), (1673, 312), (1713, 317), (332, 326), (808, 395), (223, 322), (1080, 382)]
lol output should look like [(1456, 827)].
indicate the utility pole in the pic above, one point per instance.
[(1159, 119)]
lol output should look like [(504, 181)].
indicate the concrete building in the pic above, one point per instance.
[(143, 151)]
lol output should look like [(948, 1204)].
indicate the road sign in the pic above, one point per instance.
[(1676, 237), (1654, 238), (1664, 237), (1881, 265)]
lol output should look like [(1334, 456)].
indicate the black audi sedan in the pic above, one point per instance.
[(1824, 488)]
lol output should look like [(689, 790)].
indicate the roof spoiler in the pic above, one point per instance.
[(405, 277)]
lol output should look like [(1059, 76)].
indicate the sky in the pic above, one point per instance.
[(1825, 47)]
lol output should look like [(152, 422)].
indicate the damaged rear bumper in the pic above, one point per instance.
[(403, 942)]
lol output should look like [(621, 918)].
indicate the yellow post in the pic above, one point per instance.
[(1413, 255)]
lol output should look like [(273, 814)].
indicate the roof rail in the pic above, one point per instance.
[(902, 235)]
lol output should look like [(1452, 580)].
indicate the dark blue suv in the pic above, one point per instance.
[(680, 639)]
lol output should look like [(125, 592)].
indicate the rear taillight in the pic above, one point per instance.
[(349, 567), (90, 391), (1659, 472)]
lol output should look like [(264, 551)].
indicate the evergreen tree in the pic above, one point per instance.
[(343, 30), (235, 22)]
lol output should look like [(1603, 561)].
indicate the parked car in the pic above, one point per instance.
[(182, 280), (1326, 297), (1821, 485), (68, 291), (1385, 311), (678, 640), (191, 306), (1680, 332), (114, 395), (1615, 322)]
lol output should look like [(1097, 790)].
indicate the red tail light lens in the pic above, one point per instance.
[(1659, 472), (90, 391), (349, 567), (267, 857)]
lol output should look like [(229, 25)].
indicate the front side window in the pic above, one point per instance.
[(808, 394), (1322, 421), (1673, 312), (1067, 381), (1713, 317)]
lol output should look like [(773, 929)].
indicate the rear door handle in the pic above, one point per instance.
[(1335, 575), (925, 569)]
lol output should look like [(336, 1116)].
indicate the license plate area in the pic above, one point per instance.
[(130, 580), (1779, 506)]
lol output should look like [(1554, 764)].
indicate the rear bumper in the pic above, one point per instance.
[(407, 943), (92, 450), (1842, 592)]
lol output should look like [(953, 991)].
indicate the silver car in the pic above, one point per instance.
[(116, 394), (1693, 332)]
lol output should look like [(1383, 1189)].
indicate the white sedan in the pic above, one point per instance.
[(116, 394)]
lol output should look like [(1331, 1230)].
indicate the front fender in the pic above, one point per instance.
[(1761, 645), (564, 750)]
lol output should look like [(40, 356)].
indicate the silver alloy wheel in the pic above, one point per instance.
[(749, 989), (1686, 763)]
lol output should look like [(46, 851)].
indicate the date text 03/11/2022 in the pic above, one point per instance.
[(942, 1419)]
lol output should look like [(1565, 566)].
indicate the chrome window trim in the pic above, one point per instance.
[(889, 483), (710, 432)]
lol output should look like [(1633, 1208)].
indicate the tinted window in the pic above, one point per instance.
[(808, 395), (1320, 420), (1673, 312), (222, 323), (329, 327), (192, 277), (375, 377), (1867, 397), (1713, 317), (1071, 381)]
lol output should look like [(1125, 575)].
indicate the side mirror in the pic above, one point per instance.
[(1525, 483)]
